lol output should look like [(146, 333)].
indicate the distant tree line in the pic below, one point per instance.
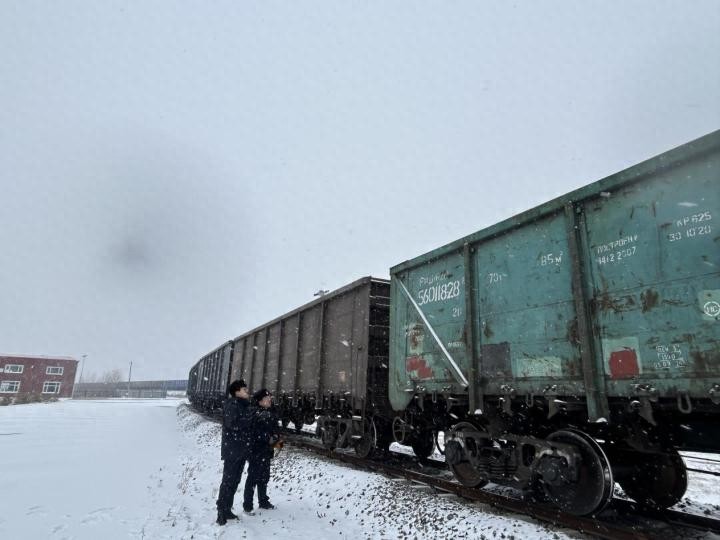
[(111, 376)]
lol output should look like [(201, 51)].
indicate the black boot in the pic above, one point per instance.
[(266, 505), (221, 519), (229, 515)]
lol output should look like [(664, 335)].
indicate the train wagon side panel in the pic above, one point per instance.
[(272, 360), (225, 373), (202, 376), (290, 348), (310, 334), (342, 342), (653, 266), (525, 322), (248, 357), (258, 367), (237, 360), (608, 292), (375, 384), (215, 365), (428, 348)]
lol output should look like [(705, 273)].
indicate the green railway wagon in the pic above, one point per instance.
[(574, 345)]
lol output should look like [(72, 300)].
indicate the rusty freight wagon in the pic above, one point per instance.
[(208, 379), (576, 344), (328, 358)]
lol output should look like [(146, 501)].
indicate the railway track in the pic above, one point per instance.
[(618, 522), (701, 462), (622, 520)]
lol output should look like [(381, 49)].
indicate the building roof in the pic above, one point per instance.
[(37, 357)]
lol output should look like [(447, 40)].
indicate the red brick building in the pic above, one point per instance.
[(46, 376)]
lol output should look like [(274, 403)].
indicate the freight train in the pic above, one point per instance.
[(560, 351)]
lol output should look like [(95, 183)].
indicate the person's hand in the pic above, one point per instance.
[(277, 447)]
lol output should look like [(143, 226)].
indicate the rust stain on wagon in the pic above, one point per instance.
[(417, 368), (487, 331), (605, 302), (573, 334), (705, 361), (416, 335), (649, 299)]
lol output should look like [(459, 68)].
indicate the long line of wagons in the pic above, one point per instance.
[(560, 351)]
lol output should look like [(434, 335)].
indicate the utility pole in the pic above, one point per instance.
[(129, 375), (82, 367)]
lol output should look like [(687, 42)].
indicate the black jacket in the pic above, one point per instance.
[(236, 431), (265, 432)]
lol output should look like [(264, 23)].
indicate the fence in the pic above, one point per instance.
[(136, 389)]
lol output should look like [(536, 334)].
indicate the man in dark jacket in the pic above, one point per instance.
[(234, 447), (265, 433)]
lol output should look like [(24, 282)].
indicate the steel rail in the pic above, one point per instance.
[(700, 459), (553, 516), (701, 471), (585, 524), (597, 526)]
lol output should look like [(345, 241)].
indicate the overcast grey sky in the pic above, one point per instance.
[(175, 173)]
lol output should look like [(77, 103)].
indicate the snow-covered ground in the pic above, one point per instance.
[(83, 469), (151, 469)]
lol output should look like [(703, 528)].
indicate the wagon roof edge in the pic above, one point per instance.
[(675, 156), (332, 294)]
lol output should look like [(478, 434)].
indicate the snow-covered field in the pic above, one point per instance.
[(151, 469)]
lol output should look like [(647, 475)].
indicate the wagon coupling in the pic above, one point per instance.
[(683, 402)]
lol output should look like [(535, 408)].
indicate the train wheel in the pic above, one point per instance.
[(462, 455), (401, 430), (592, 489), (365, 446), (423, 445), (658, 480)]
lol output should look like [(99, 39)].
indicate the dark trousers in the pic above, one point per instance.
[(232, 472), (258, 475)]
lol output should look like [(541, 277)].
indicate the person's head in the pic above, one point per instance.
[(263, 398), (238, 389)]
